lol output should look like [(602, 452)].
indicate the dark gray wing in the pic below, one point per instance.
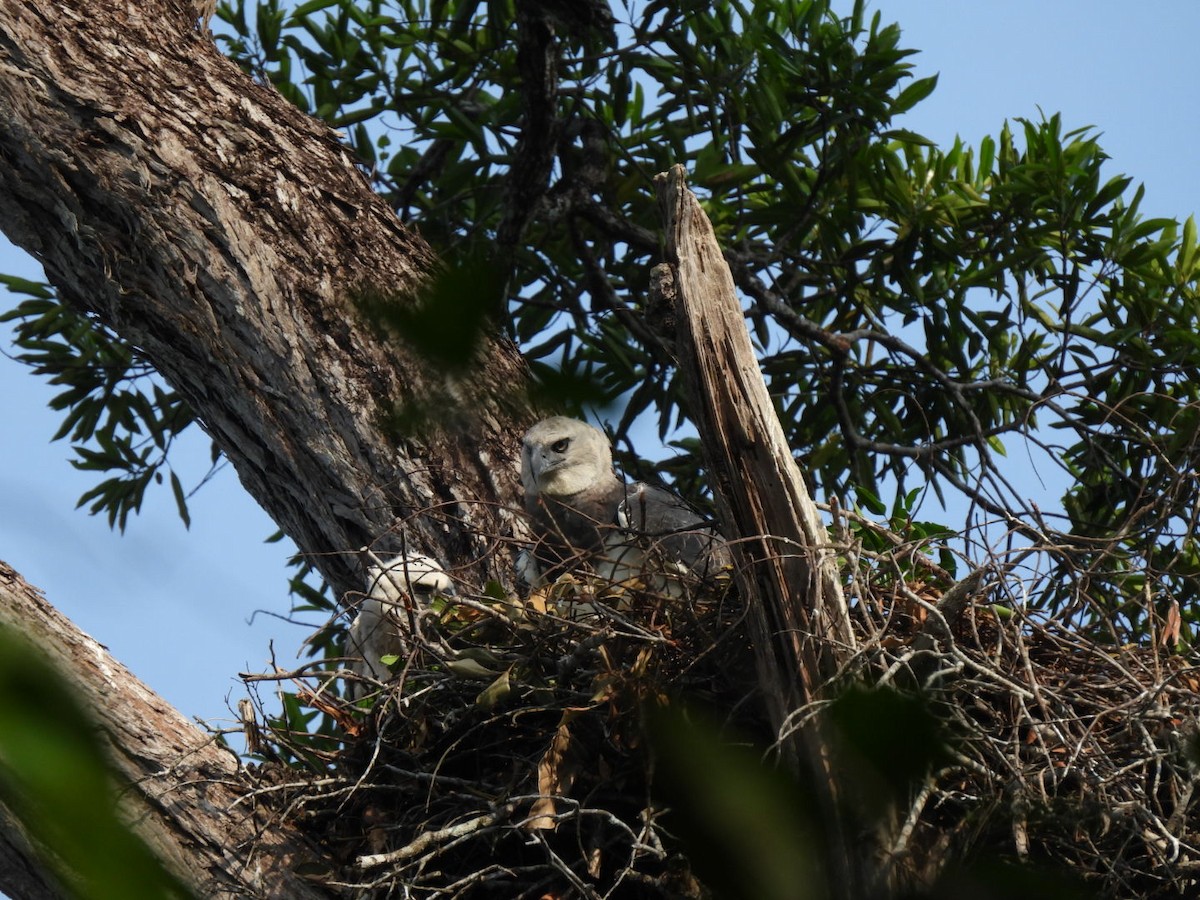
[(664, 527)]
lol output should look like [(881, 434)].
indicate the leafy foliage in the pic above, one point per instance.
[(941, 318), (921, 312), (117, 415), (930, 320)]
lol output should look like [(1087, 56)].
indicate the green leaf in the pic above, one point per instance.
[(904, 136), (1186, 264), (446, 320), (180, 500), (890, 742), (914, 94), (749, 833), (19, 285), (470, 668), (312, 6), (870, 501)]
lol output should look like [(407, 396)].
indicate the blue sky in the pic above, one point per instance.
[(175, 605)]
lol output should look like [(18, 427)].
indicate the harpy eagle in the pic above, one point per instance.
[(401, 585), (583, 514)]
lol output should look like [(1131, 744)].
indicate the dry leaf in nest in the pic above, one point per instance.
[(1170, 633), (556, 773), (478, 663), (918, 612), (539, 599), (332, 708), (496, 692)]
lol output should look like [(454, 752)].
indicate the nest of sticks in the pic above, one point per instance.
[(508, 756), (1068, 753)]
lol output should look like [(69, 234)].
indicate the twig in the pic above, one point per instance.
[(429, 838)]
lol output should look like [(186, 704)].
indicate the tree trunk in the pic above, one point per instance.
[(222, 232), (20, 875)]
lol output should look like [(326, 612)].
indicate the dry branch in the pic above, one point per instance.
[(1065, 751), (798, 615), (783, 549), (527, 771), (182, 787)]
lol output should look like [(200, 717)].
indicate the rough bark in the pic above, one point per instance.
[(20, 875), (798, 618), (181, 787), (222, 232)]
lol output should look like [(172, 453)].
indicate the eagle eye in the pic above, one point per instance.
[(560, 446)]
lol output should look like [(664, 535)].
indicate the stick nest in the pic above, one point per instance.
[(508, 755)]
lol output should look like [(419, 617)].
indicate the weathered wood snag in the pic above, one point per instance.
[(798, 615), (785, 555)]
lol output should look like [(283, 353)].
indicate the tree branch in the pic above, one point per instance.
[(179, 785), (787, 569)]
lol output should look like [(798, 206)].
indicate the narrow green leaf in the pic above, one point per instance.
[(914, 94), (312, 6), (904, 136), (180, 500)]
